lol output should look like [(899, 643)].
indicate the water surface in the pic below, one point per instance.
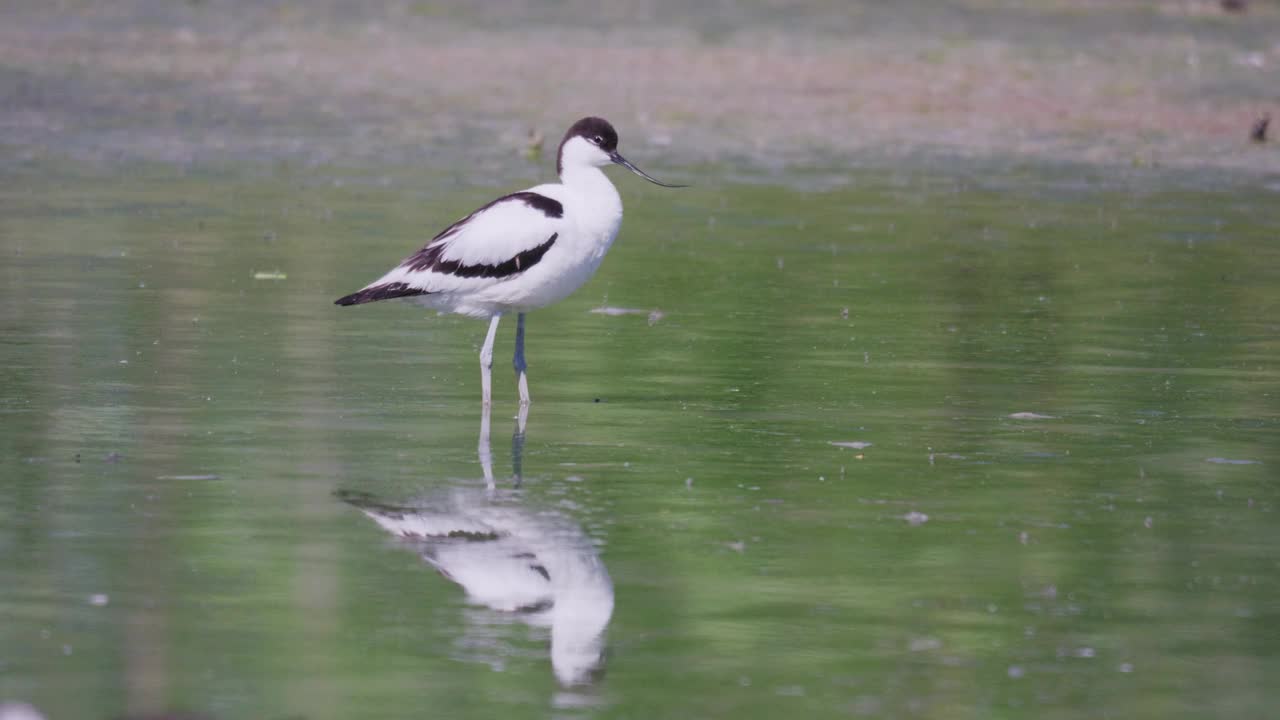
[(927, 442)]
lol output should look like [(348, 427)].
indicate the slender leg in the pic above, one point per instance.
[(484, 451), (486, 360), (519, 363), (517, 446)]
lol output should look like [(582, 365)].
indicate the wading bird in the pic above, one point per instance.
[(522, 251)]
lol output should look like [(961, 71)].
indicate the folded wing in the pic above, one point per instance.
[(493, 244)]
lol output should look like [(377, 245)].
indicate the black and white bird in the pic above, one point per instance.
[(522, 251)]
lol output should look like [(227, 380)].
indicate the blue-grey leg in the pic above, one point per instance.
[(486, 360), (518, 361), (484, 451), (517, 446)]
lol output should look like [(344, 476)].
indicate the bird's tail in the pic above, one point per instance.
[(385, 291)]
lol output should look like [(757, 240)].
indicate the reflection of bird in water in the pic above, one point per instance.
[(510, 559)]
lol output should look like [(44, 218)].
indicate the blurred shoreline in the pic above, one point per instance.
[(1154, 84)]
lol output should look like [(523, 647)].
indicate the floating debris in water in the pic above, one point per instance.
[(99, 599), (1016, 671), (915, 519), (1031, 416), (688, 482), (1147, 522), (921, 644), (270, 275), (1231, 461), (851, 444), (844, 313), (736, 546), (113, 457), (652, 315), (610, 310), (789, 691), (187, 477)]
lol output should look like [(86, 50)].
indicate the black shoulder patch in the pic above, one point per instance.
[(549, 206), (389, 291)]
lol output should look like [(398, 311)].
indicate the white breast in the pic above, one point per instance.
[(592, 217)]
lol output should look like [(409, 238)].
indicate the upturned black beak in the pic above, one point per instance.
[(614, 156)]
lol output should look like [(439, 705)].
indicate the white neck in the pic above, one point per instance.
[(598, 208), (585, 178), (602, 207)]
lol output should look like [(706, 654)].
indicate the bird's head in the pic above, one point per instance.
[(592, 142)]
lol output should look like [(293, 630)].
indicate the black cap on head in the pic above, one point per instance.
[(594, 130), (600, 133)]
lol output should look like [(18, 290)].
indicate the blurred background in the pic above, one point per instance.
[(949, 388), (1174, 82)]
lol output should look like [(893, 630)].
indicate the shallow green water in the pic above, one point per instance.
[(1066, 507)]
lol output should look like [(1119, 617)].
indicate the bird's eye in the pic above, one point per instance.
[(599, 139)]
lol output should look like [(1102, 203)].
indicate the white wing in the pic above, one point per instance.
[(492, 244)]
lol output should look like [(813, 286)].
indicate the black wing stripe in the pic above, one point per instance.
[(429, 260), (518, 264), (391, 291)]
